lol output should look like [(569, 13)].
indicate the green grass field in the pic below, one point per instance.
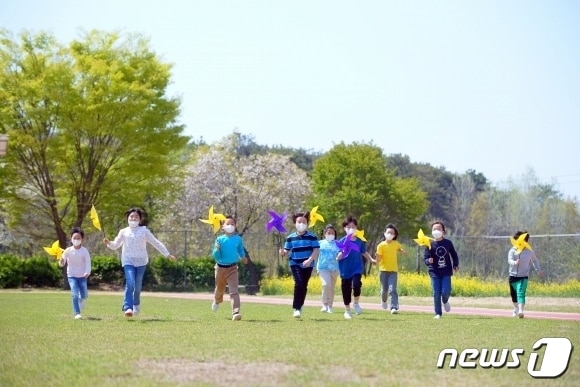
[(182, 342)]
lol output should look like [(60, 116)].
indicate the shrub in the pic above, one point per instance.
[(106, 270), (11, 272), (41, 271)]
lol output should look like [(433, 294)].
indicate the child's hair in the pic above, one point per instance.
[(329, 227), (519, 233), (440, 223), (232, 218), (349, 219), (301, 215), (142, 214), (77, 230), (390, 225)]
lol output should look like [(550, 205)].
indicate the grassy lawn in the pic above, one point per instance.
[(182, 342)]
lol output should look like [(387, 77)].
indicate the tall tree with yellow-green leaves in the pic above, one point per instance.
[(89, 123)]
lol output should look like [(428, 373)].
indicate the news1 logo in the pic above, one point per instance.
[(554, 363)]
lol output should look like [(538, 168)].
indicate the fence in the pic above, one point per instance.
[(480, 256)]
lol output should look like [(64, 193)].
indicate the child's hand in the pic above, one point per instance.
[(244, 260), (217, 245), (430, 260), (172, 257), (282, 252), (106, 241), (307, 262), (86, 275)]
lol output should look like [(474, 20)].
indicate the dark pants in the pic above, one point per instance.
[(350, 285), (301, 277)]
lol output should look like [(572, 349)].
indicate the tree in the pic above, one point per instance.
[(240, 184), (354, 179), (89, 123)]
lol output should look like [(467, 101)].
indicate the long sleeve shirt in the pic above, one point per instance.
[(231, 249), (78, 260), (526, 258), (445, 258), (134, 241)]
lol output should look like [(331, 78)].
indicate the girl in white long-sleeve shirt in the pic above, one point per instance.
[(78, 270), (134, 257), (519, 270)]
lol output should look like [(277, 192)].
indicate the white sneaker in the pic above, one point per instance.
[(136, 309), (515, 313), (394, 311), (357, 308), (329, 309), (324, 309), (447, 306), (347, 315), (215, 306), (297, 313), (385, 305), (521, 314), (437, 316), (236, 317), (129, 313), (82, 303), (78, 316)]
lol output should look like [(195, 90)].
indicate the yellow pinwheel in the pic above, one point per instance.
[(214, 219), (55, 250), (360, 234), (315, 217), (520, 244), (95, 218), (422, 239)]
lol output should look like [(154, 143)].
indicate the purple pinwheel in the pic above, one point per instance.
[(276, 221), (346, 245)]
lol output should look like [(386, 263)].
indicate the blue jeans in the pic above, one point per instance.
[(388, 281), (79, 290), (133, 284), (441, 291)]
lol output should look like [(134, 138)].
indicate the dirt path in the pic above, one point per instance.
[(462, 310)]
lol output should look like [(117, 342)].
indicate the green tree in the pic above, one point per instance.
[(354, 179), (89, 123)]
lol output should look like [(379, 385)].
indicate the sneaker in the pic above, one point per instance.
[(297, 313), (214, 306), (78, 316), (324, 309), (521, 314), (347, 315), (394, 311), (357, 308), (136, 309), (82, 303), (329, 309), (385, 305), (129, 313), (437, 316), (236, 317), (447, 306), (515, 313)]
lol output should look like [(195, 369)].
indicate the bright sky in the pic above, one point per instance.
[(490, 85)]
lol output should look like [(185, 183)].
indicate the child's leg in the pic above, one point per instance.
[(445, 289), (513, 292), (356, 287), (325, 280), (220, 284), (130, 274), (346, 289), (233, 280), (139, 274), (392, 286), (383, 278), (436, 286), (74, 289), (521, 287), (332, 287)]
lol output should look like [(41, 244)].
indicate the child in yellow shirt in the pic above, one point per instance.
[(387, 252)]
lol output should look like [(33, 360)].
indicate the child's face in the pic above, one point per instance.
[(229, 226), (350, 228), (76, 239), (134, 216), (390, 234)]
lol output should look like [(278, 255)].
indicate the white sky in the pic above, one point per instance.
[(490, 85)]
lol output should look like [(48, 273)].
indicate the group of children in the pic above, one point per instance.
[(331, 257)]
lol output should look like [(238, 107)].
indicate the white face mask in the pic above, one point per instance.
[(349, 231), (133, 223), (229, 228), (389, 236), (300, 227), (76, 242), (437, 234), (329, 237)]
